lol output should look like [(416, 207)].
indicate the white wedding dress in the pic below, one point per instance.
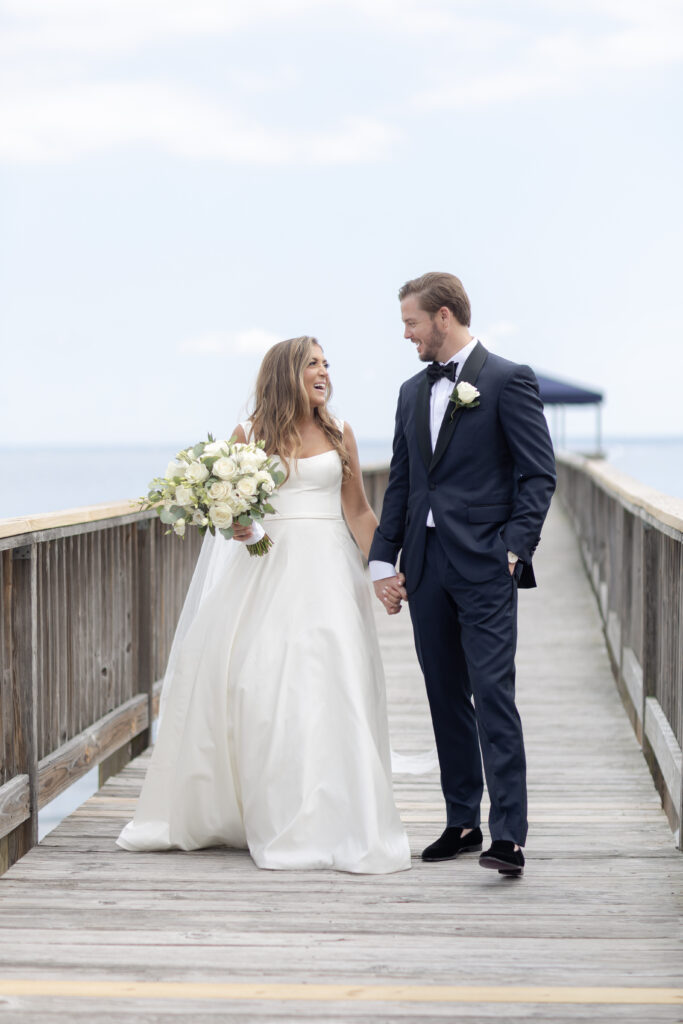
[(273, 732)]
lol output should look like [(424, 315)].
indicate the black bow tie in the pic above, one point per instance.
[(435, 371)]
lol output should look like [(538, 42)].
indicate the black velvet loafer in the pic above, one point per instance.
[(503, 857), (451, 844)]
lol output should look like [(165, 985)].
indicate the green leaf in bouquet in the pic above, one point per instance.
[(244, 520), (228, 534), (171, 515), (198, 449), (269, 509), (277, 476)]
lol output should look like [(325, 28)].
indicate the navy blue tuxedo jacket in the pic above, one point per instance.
[(488, 481)]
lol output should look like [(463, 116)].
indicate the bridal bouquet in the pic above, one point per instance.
[(213, 485)]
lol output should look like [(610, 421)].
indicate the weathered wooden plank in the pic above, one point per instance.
[(15, 803), (35, 526), (75, 758)]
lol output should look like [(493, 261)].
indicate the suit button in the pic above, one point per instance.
[(432, 487)]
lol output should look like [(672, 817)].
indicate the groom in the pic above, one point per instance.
[(472, 475)]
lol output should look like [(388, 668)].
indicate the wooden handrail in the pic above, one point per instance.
[(631, 539), (664, 508), (22, 525)]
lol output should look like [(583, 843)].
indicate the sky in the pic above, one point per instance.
[(183, 184)]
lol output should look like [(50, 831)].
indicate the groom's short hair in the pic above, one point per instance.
[(436, 290)]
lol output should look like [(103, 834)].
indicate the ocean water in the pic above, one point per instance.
[(34, 480)]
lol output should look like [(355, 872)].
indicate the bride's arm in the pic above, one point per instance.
[(361, 520)]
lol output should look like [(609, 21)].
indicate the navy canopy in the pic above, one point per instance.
[(559, 392)]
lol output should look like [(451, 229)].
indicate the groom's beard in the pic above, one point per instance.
[(431, 346)]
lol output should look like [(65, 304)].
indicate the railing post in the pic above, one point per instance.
[(650, 611), (145, 628), (24, 626)]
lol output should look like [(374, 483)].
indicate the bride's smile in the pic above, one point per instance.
[(317, 378)]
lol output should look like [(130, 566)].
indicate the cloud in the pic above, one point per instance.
[(74, 79), (111, 26), (581, 52), (72, 122), (253, 341)]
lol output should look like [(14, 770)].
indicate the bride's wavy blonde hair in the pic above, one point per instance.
[(281, 402)]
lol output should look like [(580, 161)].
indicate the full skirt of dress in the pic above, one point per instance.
[(273, 732)]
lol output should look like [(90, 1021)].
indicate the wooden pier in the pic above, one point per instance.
[(592, 932)]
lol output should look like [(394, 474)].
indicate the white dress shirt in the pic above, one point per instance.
[(438, 403)]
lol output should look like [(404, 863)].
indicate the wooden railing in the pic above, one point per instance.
[(631, 538), (90, 602)]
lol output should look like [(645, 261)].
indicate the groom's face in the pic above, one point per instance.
[(422, 329)]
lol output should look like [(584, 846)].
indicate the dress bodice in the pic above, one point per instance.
[(312, 490)]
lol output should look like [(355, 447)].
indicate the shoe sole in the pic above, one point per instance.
[(452, 856), (501, 866)]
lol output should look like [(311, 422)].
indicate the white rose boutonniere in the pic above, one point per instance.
[(464, 396)]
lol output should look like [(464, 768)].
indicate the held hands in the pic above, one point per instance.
[(391, 591)]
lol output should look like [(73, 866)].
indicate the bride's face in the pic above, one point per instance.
[(316, 378)]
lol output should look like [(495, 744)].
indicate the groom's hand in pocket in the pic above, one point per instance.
[(391, 592)]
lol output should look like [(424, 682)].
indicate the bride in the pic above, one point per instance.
[(273, 733)]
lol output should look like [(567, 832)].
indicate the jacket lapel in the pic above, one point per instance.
[(422, 420), (470, 372)]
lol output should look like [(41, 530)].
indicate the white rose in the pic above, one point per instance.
[(196, 473), (237, 505), (466, 392), (221, 516), (179, 527), (216, 447), (199, 519), (183, 495), (225, 468), (248, 463), (175, 469), (246, 487), (219, 490), (260, 456), (265, 481)]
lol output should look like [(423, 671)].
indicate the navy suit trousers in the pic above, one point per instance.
[(466, 637)]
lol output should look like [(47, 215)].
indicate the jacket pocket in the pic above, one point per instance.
[(488, 513)]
